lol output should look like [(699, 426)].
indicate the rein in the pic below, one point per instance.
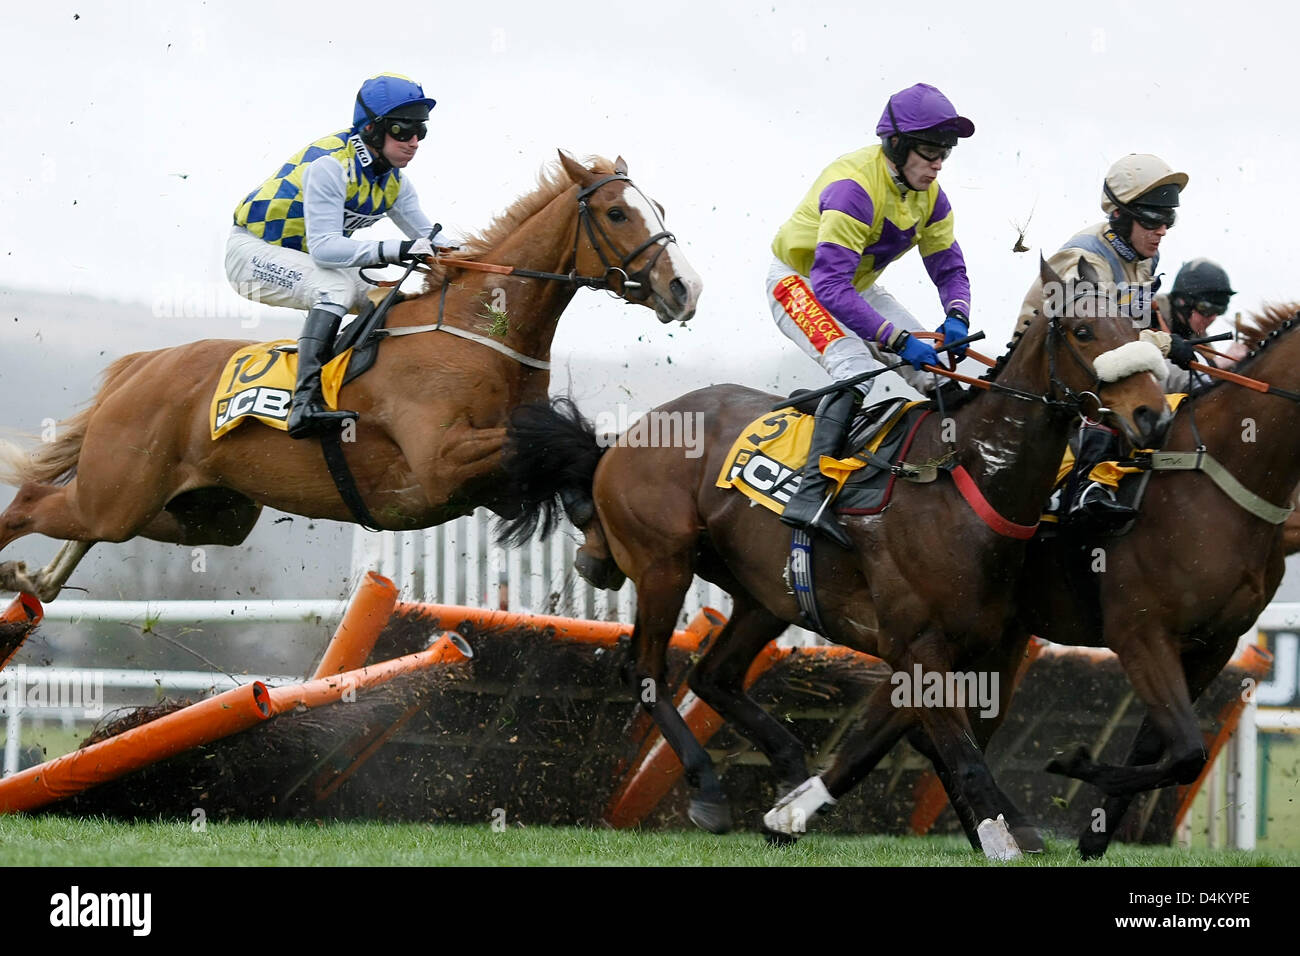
[(587, 224)]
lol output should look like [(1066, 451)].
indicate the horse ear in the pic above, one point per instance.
[(620, 166), (579, 173), (1087, 273), (1047, 273)]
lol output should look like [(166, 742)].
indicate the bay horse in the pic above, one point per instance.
[(139, 459), (1171, 597), (929, 582)]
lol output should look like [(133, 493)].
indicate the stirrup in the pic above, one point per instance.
[(314, 418)]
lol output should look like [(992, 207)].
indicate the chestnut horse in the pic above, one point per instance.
[(140, 460), (1173, 596), (929, 582)]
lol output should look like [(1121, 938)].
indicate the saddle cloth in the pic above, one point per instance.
[(258, 381), (765, 460)]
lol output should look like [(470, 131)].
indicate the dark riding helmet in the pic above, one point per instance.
[(1202, 284), (919, 114), (392, 104)]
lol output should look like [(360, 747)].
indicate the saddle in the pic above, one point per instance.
[(258, 380), (765, 460)]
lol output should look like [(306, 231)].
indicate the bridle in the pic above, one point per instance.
[(589, 224)]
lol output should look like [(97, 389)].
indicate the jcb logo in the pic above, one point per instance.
[(267, 402)]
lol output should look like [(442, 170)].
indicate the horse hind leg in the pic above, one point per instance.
[(46, 583), (661, 589)]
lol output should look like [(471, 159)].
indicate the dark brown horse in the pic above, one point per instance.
[(139, 460), (1174, 595), (929, 583)]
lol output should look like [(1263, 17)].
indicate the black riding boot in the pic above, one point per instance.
[(1092, 504), (809, 508), (308, 415)]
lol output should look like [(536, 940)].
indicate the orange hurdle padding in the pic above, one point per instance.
[(201, 723), (327, 690), (570, 628), (367, 613), (220, 716), (603, 633), (23, 613)]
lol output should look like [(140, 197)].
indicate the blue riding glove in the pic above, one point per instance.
[(917, 352), (955, 327)]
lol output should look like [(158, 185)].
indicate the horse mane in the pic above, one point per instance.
[(1264, 325), (992, 374), (552, 180)]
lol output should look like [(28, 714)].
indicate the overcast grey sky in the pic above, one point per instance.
[(134, 129)]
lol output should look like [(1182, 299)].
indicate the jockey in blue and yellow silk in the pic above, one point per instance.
[(865, 210), (292, 244)]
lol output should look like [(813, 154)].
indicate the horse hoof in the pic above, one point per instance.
[(1072, 763), (711, 814), (1092, 846), (996, 840), (776, 839), (14, 577), (1028, 839), (599, 572)]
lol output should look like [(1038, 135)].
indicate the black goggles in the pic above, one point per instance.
[(1210, 309), (402, 129), (1153, 217), (930, 152)]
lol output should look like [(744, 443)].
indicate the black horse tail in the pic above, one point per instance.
[(550, 458)]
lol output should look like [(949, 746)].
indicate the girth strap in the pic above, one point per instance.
[(344, 482), (801, 579)]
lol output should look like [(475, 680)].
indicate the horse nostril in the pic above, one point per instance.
[(678, 288), (1150, 422)]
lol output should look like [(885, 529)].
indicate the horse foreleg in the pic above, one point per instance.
[(882, 727), (949, 729), (1155, 670), (1147, 748)]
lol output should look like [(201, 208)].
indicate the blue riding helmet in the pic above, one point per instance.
[(389, 93)]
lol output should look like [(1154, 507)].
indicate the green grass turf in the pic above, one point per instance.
[(81, 842)]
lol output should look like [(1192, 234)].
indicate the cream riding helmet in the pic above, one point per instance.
[(1143, 189)]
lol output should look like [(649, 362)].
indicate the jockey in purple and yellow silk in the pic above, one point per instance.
[(865, 210)]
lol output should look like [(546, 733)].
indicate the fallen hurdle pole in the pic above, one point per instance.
[(368, 611), (227, 713)]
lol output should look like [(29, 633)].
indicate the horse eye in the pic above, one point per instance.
[(1083, 333), (617, 215)]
